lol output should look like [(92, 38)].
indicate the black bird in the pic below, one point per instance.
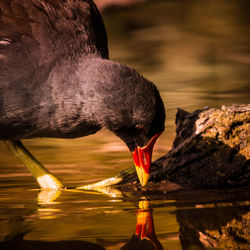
[(56, 79)]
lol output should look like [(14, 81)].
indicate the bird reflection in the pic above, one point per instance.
[(48, 196), (144, 236), (206, 219)]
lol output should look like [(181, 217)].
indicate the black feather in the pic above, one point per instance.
[(56, 79)]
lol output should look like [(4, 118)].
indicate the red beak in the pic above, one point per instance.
[(142, 159)]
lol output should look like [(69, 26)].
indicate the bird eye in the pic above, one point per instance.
[(140, 127)]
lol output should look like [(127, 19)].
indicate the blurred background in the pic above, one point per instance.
[(196, 52)]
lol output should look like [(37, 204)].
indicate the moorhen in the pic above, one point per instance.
[(56, 80)]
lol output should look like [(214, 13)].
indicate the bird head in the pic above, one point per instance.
[(136, 115), (141, 137), (131, 107)]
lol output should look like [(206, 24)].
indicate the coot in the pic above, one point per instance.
[(56, 79)]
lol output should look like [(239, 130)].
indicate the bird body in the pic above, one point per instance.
[(41, 44), (56, 79)]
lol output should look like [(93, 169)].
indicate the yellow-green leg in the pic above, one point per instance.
[(44, 178)]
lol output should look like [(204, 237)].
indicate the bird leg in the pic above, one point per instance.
[(44, 178)]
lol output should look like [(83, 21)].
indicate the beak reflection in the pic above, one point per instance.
[(144, 236)]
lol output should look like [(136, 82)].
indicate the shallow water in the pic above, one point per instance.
[(80, 220), (198, 55)]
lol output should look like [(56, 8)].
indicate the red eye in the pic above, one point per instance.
[(140, 127)]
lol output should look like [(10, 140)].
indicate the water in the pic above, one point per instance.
[(198, 55), (75, 217)]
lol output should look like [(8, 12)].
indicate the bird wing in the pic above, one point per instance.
[(35, 34)]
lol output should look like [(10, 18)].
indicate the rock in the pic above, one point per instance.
[(211, 149)]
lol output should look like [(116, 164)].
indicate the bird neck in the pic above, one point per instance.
[(108, 91)]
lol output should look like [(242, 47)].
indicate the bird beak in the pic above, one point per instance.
[(142, 159)]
